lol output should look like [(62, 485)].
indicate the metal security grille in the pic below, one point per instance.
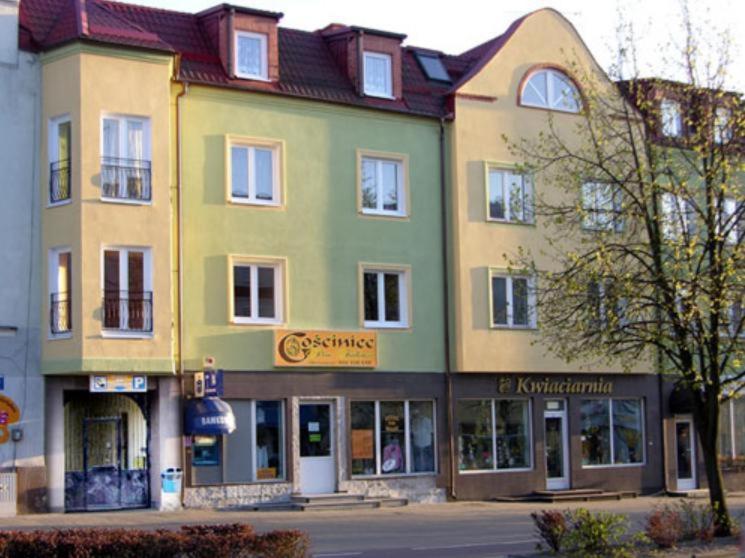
[(7, 494)]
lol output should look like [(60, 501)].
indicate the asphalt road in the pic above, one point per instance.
[(455, 530)]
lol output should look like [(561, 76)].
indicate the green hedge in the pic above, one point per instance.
[(204, 541)]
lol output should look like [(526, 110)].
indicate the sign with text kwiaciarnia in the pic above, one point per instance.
[(328, 349)]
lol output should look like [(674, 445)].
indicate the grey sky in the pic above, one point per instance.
[(456, 26)]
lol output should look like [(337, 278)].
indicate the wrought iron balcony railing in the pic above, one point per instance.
[(125, 179), (60, 313), (59, 181), (128, 311)]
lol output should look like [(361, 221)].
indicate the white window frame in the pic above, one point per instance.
[(592, 211), (53, 148), (671, 118), (123, 145), (532, 312), (251, 146), (550, 76), (401, 163), (147, 286), (679, 216), (528, 213), (53, 284), (403, 297), (388, 59), (407, 434), (264, 62), (494, 468), (642, 412), (279, 295)]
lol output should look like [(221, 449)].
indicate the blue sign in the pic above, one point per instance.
[(2, 383), (213, 384)]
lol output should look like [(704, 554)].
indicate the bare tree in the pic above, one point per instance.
[(641, 200)]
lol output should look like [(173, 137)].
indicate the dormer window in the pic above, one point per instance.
[(550, 89), (672, 126), (251, 55), (722, 127), (378, 78)]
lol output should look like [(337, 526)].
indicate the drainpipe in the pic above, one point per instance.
[(446, 312), (179, 260)]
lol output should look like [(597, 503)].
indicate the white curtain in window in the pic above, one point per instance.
[(377, 75), (110, 137), (249, 56), (135, 138)]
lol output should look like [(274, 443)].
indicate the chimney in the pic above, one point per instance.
[(9, 31)]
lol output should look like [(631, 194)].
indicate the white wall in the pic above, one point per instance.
[(20, 82)]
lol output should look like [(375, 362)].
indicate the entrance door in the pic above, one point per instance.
[(685, 452), (557, 445), (317, 462), (102, 462)]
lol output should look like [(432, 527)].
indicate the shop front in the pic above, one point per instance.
[(516, 434), (371, 433), (106, 440)]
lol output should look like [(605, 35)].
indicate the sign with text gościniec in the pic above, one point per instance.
[(342, 349)]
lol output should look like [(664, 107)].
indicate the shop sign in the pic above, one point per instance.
[(118, 383), (527, 385), (9, 414), (363, 445), (2, 383), (344, 349)]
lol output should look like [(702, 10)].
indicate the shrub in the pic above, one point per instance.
[(664, 527), (219, 541), (550, 526), (697, 519), (597, 536)]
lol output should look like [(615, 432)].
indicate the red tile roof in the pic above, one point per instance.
[(307, 67)]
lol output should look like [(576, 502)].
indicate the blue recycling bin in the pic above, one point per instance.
[(170, 480)]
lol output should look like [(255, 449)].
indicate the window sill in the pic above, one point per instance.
[(504, 327), (549, 109), (264, 79), (393, 476), (386, 327), (384, 215), (114, 334), (60, 203), (125, 201), (386, 96), (255, 203), (59, 336), (615, 466), (494, 221), (250, 322), (245, 483), (495, 471)]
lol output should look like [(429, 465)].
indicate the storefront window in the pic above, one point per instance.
[(725, 430), (392, 437), (363, 438), (513, 434), (269, 440), (732, 429), (628, 433), (595, 432), (252, 452), (475, 441), (739, 422), (622, 418), (422, 433)]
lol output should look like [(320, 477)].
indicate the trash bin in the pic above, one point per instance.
[(170, 488), (170, 480)]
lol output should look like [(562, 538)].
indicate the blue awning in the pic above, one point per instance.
[(208, 416)]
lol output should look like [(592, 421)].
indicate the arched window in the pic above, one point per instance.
[(551, 89)]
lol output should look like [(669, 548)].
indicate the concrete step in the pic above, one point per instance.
[(568, 496), (325, 498), (573, 491)]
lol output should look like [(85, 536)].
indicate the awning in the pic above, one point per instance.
[(681, 401), (208, 416)]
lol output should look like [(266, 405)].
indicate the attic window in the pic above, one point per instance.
[(432, 67), (550, 89), (378, 75), (672, 125), (251, 55)]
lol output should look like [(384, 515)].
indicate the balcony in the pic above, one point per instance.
[(125, 179), (59, 181), (128, 312), (60, 314)]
